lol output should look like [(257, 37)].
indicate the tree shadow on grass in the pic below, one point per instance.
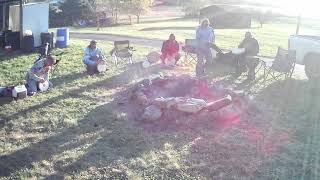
[(296, 106), (12, 56), (103, 137), (134, 72), (269, 144)]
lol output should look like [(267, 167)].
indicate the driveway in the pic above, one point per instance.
[(109, 37)]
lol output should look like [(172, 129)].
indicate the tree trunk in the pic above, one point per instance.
[(130, 19), (98, 24), (138, 18)]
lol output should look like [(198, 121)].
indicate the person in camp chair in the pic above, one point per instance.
[(247, 61), (39, 73), (92, 57), (170, 51)]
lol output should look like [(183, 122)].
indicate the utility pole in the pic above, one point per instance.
[(21, 2), (298, 24)]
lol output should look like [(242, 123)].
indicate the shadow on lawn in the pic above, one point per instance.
[(278, 142), (12, 56), (133, 72), (103, 136)]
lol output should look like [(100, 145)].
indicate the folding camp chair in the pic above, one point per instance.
[(122, 51), (190, 50), (282, 66)]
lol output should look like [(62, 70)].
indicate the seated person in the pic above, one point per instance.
[(246, 60), (39, 73), (170, 50), (92, 57)]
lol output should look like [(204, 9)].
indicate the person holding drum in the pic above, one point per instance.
[(93, 57), (39, 73), (170, 51), (246, 59)]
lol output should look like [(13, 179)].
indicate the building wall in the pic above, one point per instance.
[(36, 19)]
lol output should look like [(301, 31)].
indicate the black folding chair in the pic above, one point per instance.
[(122, 51), (190, 51), (282, 66)]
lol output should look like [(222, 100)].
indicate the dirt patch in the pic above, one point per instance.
[(185, 103)]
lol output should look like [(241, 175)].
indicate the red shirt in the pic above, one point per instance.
[(170, 47)]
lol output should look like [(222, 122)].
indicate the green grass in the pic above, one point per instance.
[(273, 34), (78, 131)]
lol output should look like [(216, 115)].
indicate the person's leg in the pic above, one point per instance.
[(208, 56), (177, 57), (252, 63), (50, 85), (32, 86), (200, 63), (163, 58), (91, 67), (240, 65)]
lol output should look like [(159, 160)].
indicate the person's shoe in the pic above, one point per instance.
[(31, 93)]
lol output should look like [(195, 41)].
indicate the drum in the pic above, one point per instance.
[(238, 50), (43, 87), (102, 66), (153, 57)]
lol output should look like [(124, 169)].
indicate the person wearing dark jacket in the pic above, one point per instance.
[(247, 60)]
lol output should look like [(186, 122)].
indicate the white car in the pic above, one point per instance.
[(307, 53)]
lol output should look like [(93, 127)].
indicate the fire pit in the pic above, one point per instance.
[(173, 102)]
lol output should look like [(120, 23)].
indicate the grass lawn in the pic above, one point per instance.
[(76, 131), (273, 34)]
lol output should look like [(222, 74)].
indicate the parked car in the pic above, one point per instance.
[(307, 53)]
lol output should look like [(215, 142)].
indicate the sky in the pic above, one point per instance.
[(308, 8)]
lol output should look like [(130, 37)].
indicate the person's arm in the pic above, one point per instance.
[(46, 76), (212, 36), (34, 76), (241, 44), (257, 47), (198, 34), (163, 48), (177, 46), (99, 53), (87, 55)]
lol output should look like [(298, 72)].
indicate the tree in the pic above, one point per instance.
[(137, 7), (264, 17), (73, 11), (192, 8)]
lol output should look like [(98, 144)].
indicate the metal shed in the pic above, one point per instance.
[(20, 16)]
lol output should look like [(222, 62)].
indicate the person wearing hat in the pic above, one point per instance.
[(247, 61), (39, 73), (92, 57), (170, 50)]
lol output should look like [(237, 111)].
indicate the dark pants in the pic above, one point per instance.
[(248, 64)]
